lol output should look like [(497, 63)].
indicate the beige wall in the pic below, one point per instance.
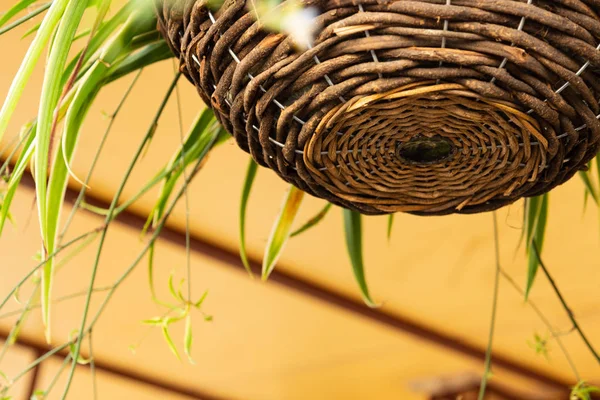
[(272, 342)]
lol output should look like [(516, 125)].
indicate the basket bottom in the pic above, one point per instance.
[(427, 148)]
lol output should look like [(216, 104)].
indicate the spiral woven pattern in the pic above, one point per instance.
[(428, 107)]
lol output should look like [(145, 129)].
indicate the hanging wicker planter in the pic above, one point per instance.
[(429, 107)]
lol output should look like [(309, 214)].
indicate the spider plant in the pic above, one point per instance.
[(80, 61)]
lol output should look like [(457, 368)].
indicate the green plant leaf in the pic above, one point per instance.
[(18, 325), (49, 24), (83, 96), (180, 291), (589, 186), (15, 177), (100, 40), (150, 54), (390, 225), (198, 304), (176, 295), (31, 31), (248, 182), (16, 295), (16, 329), (540, 345), (537, 218), (26, 18), (583, 391), (203, 135), (586, 195), (14, 10), (353, 233), (313, 221), (281, 230), (532, 211), (46, 30), (155, 321), (188, 338), (24, 134), (38, 395), (151, 252), (80, 360), (50, 96), (169, 340)]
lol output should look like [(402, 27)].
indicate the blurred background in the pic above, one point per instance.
[(305, 334)]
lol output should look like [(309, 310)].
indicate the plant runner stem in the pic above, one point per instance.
[(564, 304)]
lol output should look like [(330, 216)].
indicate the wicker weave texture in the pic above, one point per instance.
[(428, 107)]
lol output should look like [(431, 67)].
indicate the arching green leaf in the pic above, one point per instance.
[(188, 338), (537, 217), (248, 182), (353, 230), (313, 221), (281, 230), (14, 10)]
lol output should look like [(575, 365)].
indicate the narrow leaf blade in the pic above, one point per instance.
[(532, 211), (390, 225), (202, 136), (14, 10), (198, 304), (353, 231), (538, 238), (313, 221), (188, 338), (281, 230), (589, 186), (20, 21), (248, 182), (169, 340), (50, 96)]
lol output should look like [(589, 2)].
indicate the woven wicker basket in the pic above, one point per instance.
[(428, 107)]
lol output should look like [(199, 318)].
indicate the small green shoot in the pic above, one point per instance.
[(72, 340), (179, 311), (540, 345), (583, 391)]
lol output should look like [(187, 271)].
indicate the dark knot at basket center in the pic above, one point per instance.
[(425, 150)]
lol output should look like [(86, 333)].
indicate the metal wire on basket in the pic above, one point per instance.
[(429, 107)]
